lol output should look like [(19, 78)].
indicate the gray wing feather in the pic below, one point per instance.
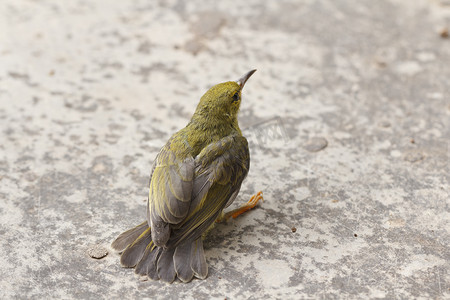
[(169, 196), (233, 196)]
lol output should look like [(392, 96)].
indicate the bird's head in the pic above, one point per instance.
[(222, 101)]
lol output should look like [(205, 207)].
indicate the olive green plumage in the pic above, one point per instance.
[(196, 174)]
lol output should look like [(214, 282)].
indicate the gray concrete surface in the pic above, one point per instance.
[(348, 118)]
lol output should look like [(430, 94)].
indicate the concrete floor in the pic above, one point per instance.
[(347, 116)]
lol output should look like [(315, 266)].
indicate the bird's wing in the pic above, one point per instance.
[(170, 193), (219, 171)]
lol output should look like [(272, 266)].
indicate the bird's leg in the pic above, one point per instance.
[(245, 207)]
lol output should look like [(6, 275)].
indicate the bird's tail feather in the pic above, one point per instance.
[(184, 261), (128, 237), (198, 260), (147, 265), (165, 266), (134, 252)]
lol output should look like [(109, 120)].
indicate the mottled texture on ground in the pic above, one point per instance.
[(347, 118)]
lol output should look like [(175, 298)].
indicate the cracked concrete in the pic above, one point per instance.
[(347, 118)]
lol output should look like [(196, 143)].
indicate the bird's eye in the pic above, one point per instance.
[(236, 97)]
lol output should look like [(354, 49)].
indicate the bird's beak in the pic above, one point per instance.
[(241, 81)]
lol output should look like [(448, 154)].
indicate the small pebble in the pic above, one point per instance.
[(97, 251), (316, 144), (294, 229)]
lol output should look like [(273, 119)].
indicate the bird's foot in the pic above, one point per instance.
[(239, 211), (247, 206)]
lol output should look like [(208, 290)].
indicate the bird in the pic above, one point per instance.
[(195, 176)]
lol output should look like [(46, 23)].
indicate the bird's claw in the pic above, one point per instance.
[(239, 211), (249, 205)]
